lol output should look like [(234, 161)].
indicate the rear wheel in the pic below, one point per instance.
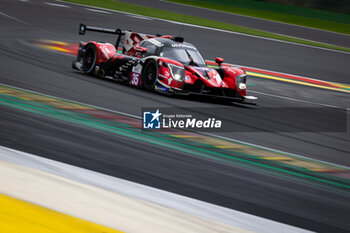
[(149, 75), (89, 59)]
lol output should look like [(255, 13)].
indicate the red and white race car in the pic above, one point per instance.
[(159, 62)]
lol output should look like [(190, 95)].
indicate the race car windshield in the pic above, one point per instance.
[(185, 56)]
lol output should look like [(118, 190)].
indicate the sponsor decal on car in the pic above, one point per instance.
[(156, 42), (178, 45), (135, 79), (161, 88), (166, 73)]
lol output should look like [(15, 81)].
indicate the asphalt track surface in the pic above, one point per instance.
[(250, 191), (250, 22)]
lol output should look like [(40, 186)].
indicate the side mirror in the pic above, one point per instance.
[(82, 29), (141, 50), (219, 60)]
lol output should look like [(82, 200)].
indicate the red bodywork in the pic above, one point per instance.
[(104, 51), (209, 76)]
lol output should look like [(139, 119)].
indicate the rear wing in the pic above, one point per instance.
[(125, 39), (83, 28)]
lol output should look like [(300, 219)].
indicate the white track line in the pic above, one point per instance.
[(13, 18), (296, 100), (170, 200), (218, 30), (138, 117), (251, 17), (258, 37), (26, 23), (98, 11), (139, 17), (98, 205), (55, 4)]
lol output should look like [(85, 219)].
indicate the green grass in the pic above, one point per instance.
[(320, 19), (146, 11)]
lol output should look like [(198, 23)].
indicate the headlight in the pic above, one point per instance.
[(241, 81), (177, 72), (177, 77), (242, 86)]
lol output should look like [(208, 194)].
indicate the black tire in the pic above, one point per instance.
[(149, 75), (89, 59)]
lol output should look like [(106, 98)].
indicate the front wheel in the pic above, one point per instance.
[(149, 75), (89, 59)]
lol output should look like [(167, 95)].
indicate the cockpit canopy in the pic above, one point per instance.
[(184, 53)]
